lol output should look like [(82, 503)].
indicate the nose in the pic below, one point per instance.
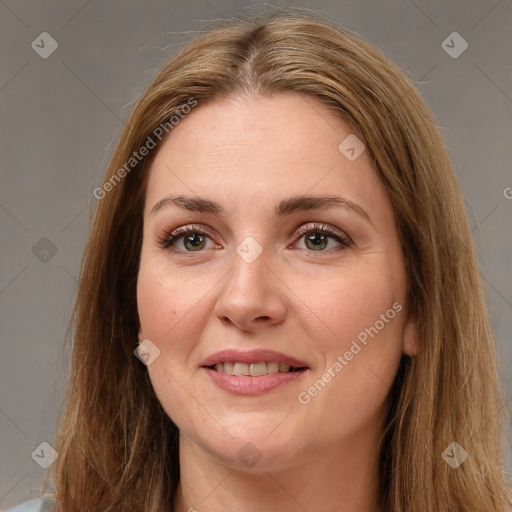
[(251, 297)]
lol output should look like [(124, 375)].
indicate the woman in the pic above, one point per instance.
[(281, 238)]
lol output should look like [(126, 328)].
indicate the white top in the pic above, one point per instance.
[(44, 504)]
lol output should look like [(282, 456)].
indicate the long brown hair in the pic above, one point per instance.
[(118, 450)]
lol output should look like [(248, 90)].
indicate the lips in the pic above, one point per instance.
[(252, 372), (253, 357)]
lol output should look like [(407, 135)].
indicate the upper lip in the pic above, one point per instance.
[(252, 356)]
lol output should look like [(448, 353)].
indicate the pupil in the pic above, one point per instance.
[(317, 240), (195, 240)]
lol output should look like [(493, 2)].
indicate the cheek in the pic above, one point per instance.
[(365, 310), (165, 299), (348, 302), (166, 304)]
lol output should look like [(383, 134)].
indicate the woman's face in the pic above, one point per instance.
[(257, 266)]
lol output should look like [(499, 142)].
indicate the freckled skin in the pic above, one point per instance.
[(248, 155)]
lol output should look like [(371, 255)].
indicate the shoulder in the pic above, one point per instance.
[(44, 504)]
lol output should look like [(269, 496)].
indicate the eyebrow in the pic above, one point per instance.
[(285, 207)]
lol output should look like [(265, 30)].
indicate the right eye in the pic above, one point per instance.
[(193, 239)]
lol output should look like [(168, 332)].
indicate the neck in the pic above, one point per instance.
[(339, 479)]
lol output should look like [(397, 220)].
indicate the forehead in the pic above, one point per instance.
[(257, 147)]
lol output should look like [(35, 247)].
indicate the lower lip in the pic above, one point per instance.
[(247, 385)]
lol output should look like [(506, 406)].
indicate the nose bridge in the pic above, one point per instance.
[(250, 261), (249, 292), (249, 271)]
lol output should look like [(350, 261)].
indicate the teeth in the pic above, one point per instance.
[(272, 367), (258, 369), (252, 369), (241, 369)]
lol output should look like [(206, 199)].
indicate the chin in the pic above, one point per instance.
[(252, 446)]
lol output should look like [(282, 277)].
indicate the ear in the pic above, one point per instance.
[(411, 336)]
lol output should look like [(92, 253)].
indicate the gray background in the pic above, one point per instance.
[(62, 115)]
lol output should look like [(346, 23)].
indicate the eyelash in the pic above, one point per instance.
[(165, 242)]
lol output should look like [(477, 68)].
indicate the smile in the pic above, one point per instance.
[(253, 369)]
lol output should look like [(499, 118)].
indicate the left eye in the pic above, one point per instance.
[(316, 237), (319, 240)]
